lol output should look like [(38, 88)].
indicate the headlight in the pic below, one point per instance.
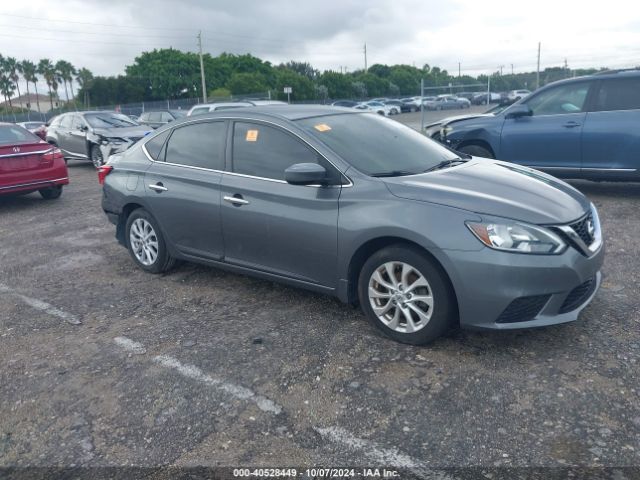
[(517, 237)]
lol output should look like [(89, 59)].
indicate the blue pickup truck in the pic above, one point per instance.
[(586, 127)]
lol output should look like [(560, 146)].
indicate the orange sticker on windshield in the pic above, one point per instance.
[(322, 127), (252, 136)]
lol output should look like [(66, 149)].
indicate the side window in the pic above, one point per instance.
[(618, 94), (76, 122), (198, 145), (166, 117), (65, 122), (154, 146), (264, 151), (155, 116), (562, 99)]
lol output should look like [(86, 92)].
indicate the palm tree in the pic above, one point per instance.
[(12, 69), (48, 71), (6, 88), (84, 78), (65, 73), (29, 72)]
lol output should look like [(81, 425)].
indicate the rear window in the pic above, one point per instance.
[(15, 134), (618, 94)]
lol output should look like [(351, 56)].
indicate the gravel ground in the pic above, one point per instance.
[(104, 365)]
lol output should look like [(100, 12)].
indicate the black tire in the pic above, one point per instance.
[(476, 151), (96, 156), (163, 261), (51, 193), (444, 314)]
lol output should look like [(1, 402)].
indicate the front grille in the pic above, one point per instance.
[(582, 228), (523, 309), (578, 295)]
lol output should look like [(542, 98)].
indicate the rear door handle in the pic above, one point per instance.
[(236, 200), (571, 124), (158, 187)]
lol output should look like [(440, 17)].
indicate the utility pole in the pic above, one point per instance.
[(512, 69), (538, 69), (500, 67), (204, 84), (365, 58), (458, 69)]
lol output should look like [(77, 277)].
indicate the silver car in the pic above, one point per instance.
[(318, 197)]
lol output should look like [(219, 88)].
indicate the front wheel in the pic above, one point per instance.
[(406, 295), (146, 244), (96, 156), (476, 151), (51, 193)]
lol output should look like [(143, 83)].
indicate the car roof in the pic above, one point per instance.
[(632, 72), (284, 112)]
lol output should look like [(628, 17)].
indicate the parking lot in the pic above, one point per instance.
[(106, 365)]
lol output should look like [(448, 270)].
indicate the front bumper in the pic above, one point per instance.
[(547, 290)]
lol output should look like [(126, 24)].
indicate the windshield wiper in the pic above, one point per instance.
[(445, 164), (393, 173)]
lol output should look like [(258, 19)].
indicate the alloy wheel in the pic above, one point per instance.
[(144, 241), (401, 297), (96, 157)]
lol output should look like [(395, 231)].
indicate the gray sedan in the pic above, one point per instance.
[(318, 197)]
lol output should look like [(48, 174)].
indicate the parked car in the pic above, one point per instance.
[(514, 95), (481, 98), (448, 102), (212, 107), (159, 118), (379, 107), (468, 95), (345, 103), (398, 106), (413, 103), (94, 135), (39, 128), (318, 197), (584, 127), (29, 164)]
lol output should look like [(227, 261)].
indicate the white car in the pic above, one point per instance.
[(364, 106), (518, 94), (377, 107), (212, 107)]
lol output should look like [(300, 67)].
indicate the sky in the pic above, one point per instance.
[(481, 36)]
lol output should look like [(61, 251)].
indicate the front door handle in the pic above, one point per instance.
[(236, 200), (158, 187), (571, 125)]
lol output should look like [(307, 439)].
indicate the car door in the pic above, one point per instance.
[(611, 137), (77, 136), (63, 137), (549, 139), (273, 226), (182, 187)]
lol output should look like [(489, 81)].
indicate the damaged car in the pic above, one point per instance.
[(95, 135)]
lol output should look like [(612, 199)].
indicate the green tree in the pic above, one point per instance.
[(29, 72), (12, 70), (66, 71), (302, 86), (337, 84), (84, 78), (245, 83), (48, 71)]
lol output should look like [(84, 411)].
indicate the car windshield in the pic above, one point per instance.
[(109, 120), (15, 134), (377, 146)]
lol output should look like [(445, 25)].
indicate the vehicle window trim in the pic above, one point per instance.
[(231, 120), (596, 91), (163, 149)]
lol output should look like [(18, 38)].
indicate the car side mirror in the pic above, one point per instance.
[(84, 128), (517, 111), (305, 174)]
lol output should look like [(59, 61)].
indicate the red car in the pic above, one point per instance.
[(28, 163)]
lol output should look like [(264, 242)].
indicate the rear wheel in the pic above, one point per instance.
[(51, 193), (476, 151), (406, 295), (146, 244), (96, 156)]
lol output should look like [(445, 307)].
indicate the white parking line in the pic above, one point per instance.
[(194, 373), (43, 306)]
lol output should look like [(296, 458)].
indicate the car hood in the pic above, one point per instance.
[(136, 131), (456, 118), (495, 188)]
